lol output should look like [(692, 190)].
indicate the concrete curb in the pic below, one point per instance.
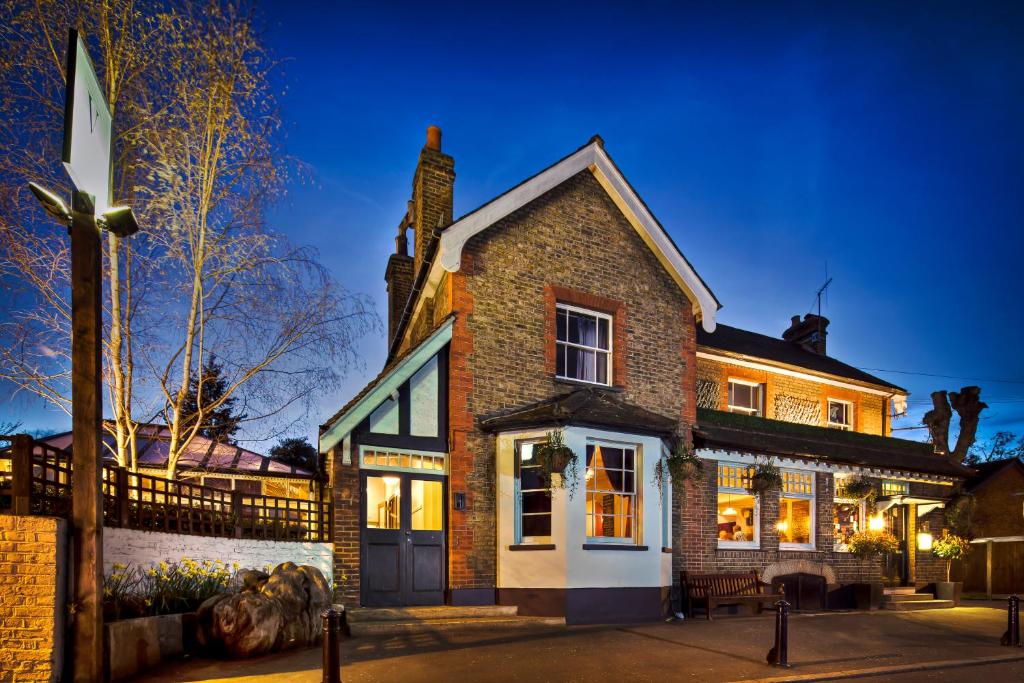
[(888, 670)]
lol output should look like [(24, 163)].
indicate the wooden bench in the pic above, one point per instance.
[(738, 588)]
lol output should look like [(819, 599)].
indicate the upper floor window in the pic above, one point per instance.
[(745, 397), (611, 493), (840, 414), (583, 345)]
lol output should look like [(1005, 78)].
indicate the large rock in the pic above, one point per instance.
[(265, 613)]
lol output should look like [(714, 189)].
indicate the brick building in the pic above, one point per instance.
[(564, 304)]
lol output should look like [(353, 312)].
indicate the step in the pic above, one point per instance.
[(413, 614), (397, 627), (899, 590), (909, 597), (908, 605)]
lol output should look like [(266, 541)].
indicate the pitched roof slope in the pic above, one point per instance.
[(754, 344), (757, 435)]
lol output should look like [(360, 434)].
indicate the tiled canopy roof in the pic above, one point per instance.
[(202, 454), (590, 407), (757, 435), (746, 343)]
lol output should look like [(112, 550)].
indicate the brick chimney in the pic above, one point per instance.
[(431, 193), (809, 333), (399, 275)]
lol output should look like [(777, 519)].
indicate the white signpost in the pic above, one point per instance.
[(87, 126)]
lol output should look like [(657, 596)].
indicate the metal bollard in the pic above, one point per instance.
[(779, 654), (1012, 635), (333, 624)]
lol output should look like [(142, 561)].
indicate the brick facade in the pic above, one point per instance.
[(575, 243), (33, 578), (869, 410)]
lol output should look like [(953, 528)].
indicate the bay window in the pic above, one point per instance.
[(796, 511), (583, 345), (738, 511), (611, 486), (533, 498)]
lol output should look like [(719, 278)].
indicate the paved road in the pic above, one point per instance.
[(727, 649)]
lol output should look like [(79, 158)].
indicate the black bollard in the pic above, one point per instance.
[(779, 654), (1012, 635), (333, 624)]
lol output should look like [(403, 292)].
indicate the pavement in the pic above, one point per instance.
[(960, 644)]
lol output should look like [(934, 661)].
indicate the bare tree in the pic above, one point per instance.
[(198, 156), (968, 406)]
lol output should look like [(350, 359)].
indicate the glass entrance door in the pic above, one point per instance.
[(402, 539), (896, 569)]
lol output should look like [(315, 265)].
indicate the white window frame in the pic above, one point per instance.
[(723, 544), (597, 350), (666, 500), (800, 495), (637, 537), (520, 539), (435, 458), (862, 508), (849, 414), (756, 412), (895, 487)]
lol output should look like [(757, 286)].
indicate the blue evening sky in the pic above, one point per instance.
[(886, 140)]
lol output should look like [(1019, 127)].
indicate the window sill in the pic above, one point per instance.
[(666, 550), (797, 547), (592, 385), (613, 546), (532, 546), (739, 546)]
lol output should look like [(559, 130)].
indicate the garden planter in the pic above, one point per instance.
[(949, 590), (134, 645), (868, 595)]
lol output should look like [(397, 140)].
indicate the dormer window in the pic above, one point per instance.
[(745, 397), (840, 414), (583, 346)]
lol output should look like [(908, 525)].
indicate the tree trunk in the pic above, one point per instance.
[(937, 421), (968, 405)]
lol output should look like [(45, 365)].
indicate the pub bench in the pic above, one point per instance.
[(726, 588)]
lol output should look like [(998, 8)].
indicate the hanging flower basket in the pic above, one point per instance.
[(766, 477), (858, 488), (554, 457), (680, 463)]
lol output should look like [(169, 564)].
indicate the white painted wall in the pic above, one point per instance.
[(149, 548), (569, 565)]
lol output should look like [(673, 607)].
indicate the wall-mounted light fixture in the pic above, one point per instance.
[(876, 523)]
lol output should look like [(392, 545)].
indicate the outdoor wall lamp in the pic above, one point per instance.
[(924, 540), (876, 523)]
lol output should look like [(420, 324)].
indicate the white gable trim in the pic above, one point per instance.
[(387, 385), (592, 158)]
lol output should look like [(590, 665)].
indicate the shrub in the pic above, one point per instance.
[(865, 544), (950, 547)]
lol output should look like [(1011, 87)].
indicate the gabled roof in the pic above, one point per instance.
[(757, 435), (755, 345), (985, 471), (202, 454), (397, 371), (593, 158), (583, 407)]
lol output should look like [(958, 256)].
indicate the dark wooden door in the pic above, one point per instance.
[(403, 546)]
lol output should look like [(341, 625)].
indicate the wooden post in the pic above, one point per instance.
[(121, 491), (21, 474), (236, 512), (86, 426), (988, 569)]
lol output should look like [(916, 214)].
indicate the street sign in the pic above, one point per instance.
[(87, 126)]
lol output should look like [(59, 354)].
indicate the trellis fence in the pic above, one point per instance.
[(35, 479)]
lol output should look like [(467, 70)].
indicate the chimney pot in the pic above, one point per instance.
[(794, 321), (434, 138)]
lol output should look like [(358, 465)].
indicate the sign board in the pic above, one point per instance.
[(87, 126)]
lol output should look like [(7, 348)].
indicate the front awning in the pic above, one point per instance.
[(924, 504)]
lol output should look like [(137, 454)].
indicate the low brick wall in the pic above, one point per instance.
[(33, 582), (148, 548)]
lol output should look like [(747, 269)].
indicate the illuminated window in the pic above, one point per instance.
[(583, 345), (840, 414), (848, 516), (744, 397), (891, 487), (383, 502), (611, 493), (796, 511), (376, 458), (533, 499), (738, 512)]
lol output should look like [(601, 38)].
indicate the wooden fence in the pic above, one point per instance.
[(35, 479)]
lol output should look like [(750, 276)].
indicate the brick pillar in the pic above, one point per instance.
[(345, 533)]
